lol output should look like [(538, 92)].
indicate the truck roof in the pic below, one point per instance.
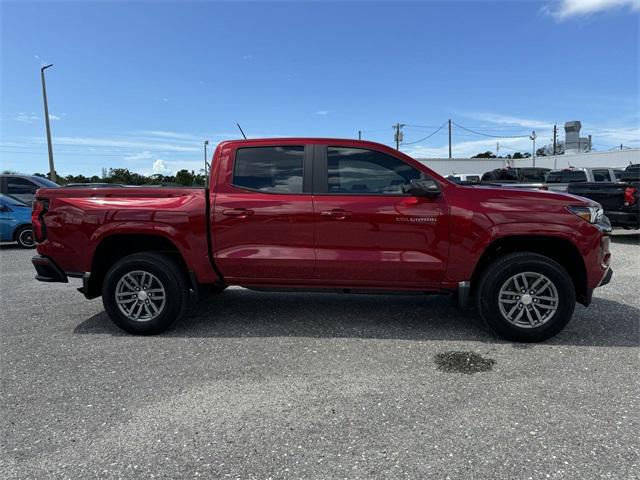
[(312, 140)]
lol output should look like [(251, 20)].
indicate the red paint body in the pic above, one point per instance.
[(397, 242)]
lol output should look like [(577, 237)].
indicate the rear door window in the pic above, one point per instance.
[(601, 175), (270, 169), (20, 186)]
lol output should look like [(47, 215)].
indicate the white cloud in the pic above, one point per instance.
[(578, 8), (53, 117), (509, 120), (27, 117), (125, 143), (322, 112), (146, 155), (167, 134), (160, 166)]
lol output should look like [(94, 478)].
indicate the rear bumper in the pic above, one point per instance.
[(628, 219), (47, 270)]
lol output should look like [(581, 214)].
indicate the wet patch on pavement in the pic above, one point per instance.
[(463, 362)]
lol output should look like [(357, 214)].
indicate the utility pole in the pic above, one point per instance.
[(359, 134), (206, 165), (398, 136), (533, 137), (449, 138), (52, 170), (555, 137)]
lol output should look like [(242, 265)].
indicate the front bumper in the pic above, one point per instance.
[(607, 277), (47, 270)]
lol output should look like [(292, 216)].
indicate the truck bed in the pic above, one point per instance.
[(612, 198)]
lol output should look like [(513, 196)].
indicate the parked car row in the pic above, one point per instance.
[(616, 189), (17, 193), (620, 200), (15, 222)]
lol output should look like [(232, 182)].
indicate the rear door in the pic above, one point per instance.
[(262, 218), (368, 232)]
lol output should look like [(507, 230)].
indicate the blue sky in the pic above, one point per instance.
[(141, 85)]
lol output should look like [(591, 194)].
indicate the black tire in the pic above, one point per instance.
[(500, 272), (170, 277), (24, 237), (217, 289)]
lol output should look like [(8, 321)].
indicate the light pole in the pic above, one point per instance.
[(206, 164), (52, 170), (533, 137)]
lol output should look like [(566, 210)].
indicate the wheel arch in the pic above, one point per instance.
[(114, 247), (559, 249)]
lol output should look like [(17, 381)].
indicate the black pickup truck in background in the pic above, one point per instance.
[(620, 201)]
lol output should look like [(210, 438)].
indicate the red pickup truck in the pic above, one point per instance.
[(325, 214)]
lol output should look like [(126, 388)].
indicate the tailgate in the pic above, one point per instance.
[(609, 195)]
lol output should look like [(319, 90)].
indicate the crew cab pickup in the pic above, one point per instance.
[(325, 214), (559, 180), (620, 201)]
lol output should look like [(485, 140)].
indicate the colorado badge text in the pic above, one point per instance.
[(417, 219)]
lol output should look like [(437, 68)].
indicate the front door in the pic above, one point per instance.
[(368, 232), (262, 217)]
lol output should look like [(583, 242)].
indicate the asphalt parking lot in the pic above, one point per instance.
[(266, 385)]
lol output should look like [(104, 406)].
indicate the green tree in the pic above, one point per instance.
[(484, 155), (184, 177)]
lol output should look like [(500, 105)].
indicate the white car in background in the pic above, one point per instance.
[(464, 177)]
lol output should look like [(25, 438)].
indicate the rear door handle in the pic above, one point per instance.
[(337, 213), (237, 212)]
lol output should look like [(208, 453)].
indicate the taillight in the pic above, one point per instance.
[(630, 196), (40, 207)]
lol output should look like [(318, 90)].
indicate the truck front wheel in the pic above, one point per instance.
[(145, 293), (526, 297)]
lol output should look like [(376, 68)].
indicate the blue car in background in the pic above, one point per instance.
[(15, 222)]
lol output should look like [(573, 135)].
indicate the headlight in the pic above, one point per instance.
[(590, 214)]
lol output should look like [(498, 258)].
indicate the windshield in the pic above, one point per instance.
[(533, 174), (45, 182), (567, 176)]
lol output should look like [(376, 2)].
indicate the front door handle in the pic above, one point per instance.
[(337, 213), (237, 212)]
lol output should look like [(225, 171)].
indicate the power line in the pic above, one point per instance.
[(428, 136), (421, 126), (489, 135)]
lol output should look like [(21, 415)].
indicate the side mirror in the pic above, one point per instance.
[(422, 188), (4, 208)]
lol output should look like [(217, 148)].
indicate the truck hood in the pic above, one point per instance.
[(519, 195), (499, 205)]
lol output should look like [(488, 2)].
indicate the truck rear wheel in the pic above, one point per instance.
[(526, 297), (145, 293)]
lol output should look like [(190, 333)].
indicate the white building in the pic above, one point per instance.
[(613, 158)]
